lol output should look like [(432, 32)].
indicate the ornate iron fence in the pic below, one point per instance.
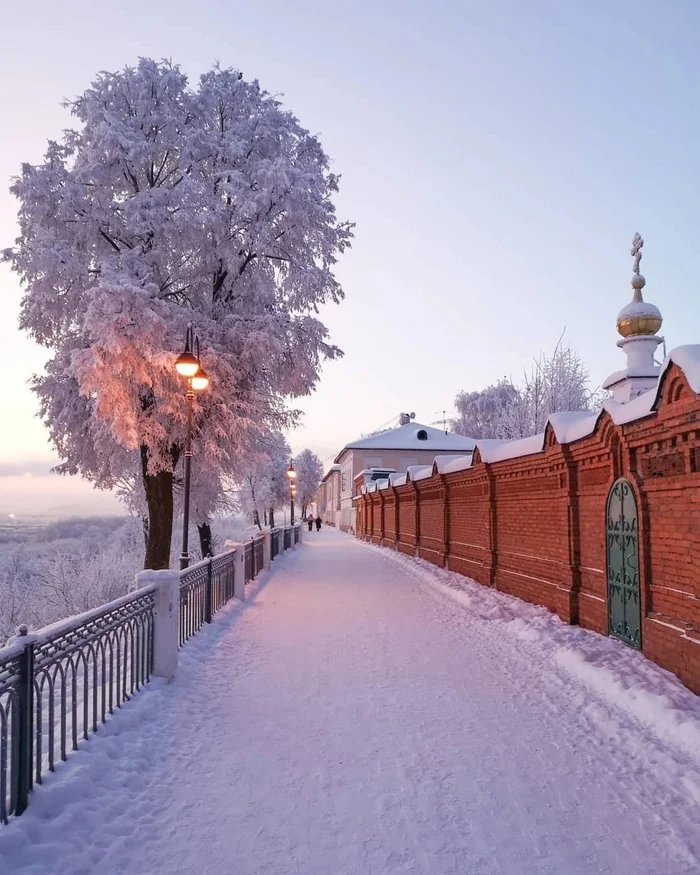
[(258, 555), (248, 562), (274, 543), (296, 534), (204, 589), (222, 573), (58, 684)]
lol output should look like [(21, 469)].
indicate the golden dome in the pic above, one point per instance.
[(639, 318)]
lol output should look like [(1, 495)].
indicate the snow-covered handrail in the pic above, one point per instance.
[(83, 667)]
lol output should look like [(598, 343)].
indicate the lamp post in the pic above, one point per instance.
[(291, 474), (188, 365)]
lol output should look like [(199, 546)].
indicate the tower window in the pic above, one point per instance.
[(422, 434)]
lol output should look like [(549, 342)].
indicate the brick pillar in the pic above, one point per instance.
[(574, 533), (381, 516), (396, 518), (416, 498), (492, 554), (445, 522)]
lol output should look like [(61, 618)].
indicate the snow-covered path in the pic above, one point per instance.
[(357, 715)]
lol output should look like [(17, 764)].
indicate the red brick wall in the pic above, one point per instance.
[(535, 526)]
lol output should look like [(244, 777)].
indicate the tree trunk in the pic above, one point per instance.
[(265, 516), (256, 519), (204, 530), (159, 499), (144, 527), (271, 517)]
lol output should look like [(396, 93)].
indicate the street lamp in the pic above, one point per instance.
[(188, 365), (291, 474)]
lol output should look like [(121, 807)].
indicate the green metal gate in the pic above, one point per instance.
[(624, 600)]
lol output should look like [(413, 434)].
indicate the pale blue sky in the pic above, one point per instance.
[(497, 158)]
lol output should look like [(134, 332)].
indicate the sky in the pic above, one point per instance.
[(497, 159)]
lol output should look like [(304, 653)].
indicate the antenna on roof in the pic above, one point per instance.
[(444, 419)]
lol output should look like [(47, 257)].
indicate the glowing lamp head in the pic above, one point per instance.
[(291, 473), (200, 380), (186, 364)]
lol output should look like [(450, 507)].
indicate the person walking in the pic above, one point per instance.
[(318, 523), (310, 521)]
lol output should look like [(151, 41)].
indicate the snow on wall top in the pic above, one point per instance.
[(497, 451), (397, 479), (441, 462), (568, 426), (460, 463), (405, 437), (688, 360), (419, 472)]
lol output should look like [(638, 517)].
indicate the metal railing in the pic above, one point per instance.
[(274, 543), (58, 684), (204, 589)]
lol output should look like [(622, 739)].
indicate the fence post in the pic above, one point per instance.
[(238, 570), (267, 549), (208, 593), (166, 619), (25, 721)]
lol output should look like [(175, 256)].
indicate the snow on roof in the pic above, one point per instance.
[(618, 376), (405, 437), (366, 471), (332, 470), (382, 484)]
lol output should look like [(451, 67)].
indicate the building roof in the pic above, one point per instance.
[(334, 469), (405, 437)]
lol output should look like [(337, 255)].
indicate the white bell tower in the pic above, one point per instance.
[(638, 324)]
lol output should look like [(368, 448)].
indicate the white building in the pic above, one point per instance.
[(387, 452)]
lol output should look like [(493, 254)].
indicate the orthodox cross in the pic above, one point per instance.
[(636, 251)]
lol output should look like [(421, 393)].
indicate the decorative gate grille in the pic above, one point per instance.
[(624, 600)]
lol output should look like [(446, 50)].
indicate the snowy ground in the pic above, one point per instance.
[(362, 714)]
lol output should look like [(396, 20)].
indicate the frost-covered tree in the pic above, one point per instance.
[(556, 382), (478, 413), (263, 478), (168, 205), (309, 475)]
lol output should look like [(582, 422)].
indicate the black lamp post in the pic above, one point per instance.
[(188, 365), (291, 473)]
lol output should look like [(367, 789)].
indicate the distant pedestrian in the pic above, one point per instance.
[(318, 523), (310, 521)]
